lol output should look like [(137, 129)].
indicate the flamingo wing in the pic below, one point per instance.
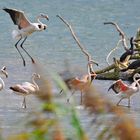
[(77, 81), (114, 87), (18, 17), (118, 86), (78, 84), (29, 86), (19, 88)]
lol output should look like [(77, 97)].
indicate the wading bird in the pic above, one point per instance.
[(125, 91), (80, 84), (25, 28), (4, 72), (26, 88)]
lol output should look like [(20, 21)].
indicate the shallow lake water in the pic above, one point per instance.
[(55, 45)]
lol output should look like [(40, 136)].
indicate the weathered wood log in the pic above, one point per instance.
[(108, 73), (137, 39), (111, 72), (115, 75), (108, 76), (135, 57), (107, 69)]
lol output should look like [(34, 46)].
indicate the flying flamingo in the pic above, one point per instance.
[(26, 88), (4, 72), (25, 28), (124, 90), (80, 84)]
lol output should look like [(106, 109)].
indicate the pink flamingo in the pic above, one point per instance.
[(126, 91), (26, 88), (81, 84)]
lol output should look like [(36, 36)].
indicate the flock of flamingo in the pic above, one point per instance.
[(26, 28)]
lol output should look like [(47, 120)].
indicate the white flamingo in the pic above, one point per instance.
[(4, 72), (25, 28), (126, 91), (26, 88)]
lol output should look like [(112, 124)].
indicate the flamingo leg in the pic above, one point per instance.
[(129, 102), (119, 101), (70, 96), (24, 103), (19, 51), (61, 91), (81, 98), (26, 51)]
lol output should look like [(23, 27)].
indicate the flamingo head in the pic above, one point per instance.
[(3, 71), (44, 16), (136, 75), (36, 75)]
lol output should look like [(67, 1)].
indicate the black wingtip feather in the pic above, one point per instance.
[(11, 88), (12, 13)]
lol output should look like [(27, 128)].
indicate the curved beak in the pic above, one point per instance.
[(38, 75), (3, 70), (96, 63), (93, 62), (45, 16)]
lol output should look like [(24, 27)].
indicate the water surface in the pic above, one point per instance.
[(55, 45)]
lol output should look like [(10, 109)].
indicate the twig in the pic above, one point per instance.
[(121, 33)]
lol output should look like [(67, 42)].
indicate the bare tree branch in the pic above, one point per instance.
[(79, 44), (121, 33)]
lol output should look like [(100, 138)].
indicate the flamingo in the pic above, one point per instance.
[(4, 72), (126, 91), (25, 28), (26, 88), (80, 84)]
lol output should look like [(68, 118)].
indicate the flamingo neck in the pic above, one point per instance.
[(35, 84), (136, 81), (92, 75), (38, 19), (89, 73), (2, 84)]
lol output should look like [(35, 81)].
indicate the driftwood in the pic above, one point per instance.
[(107, 69), (111, 72), (121, 33)]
